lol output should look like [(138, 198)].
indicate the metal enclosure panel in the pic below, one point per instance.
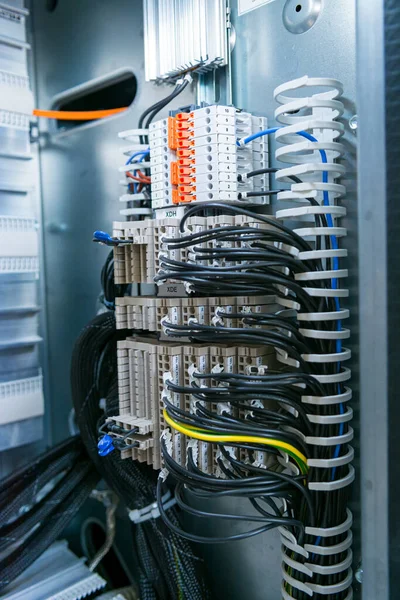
[(379, 221), (79, 169)]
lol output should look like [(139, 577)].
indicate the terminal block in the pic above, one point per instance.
[(146, 369), (195, 157), (140, 260), (155, 314)]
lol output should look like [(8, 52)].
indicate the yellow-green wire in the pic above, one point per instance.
[(193, 432)]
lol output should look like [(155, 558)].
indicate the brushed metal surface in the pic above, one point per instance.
[(266, 55), (377, 250)]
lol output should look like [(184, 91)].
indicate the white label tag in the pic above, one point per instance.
[(248, 5)]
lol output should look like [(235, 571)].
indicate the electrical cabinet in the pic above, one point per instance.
[(249, 219)]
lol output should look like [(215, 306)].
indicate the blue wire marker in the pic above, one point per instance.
[(105, 445)]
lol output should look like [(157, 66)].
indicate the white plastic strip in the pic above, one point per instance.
[(295, 583), (321, 334), (321, 231), (289, 541), (332, 419), (294, 564), (332, 531), (332, 463), (132, 197), (318, 275), (327, 590), (344, 375), (327, 293), (301, 211), (337, 315), (330, 486), (319, 254), (327, 358), (127, 212), (331, 550), (333, 569), (335, 440), (132, 132), (327, 400)]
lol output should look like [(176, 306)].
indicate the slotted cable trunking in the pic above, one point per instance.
[(324, 561)]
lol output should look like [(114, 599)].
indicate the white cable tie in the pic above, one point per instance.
[(167, 376), (256, 404), (166, 435), (163, 474), (217, 318), (224, 407), (152, 511), (188, 287), (194, 445), (192, 370), (165, 322)]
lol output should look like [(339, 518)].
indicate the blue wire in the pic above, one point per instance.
[(142, 154), (334, 243), (139, 153)]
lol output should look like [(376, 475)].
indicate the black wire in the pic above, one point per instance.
[(161, 104), (202, 539), (157, 109), (259, 193), (259, 172), (228, 208)]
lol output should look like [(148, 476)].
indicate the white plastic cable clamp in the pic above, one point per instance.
[(327, 400), (332, 463), (194, 445), (337, 484), (151, 511)]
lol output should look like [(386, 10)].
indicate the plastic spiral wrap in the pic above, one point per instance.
[(310, 139)]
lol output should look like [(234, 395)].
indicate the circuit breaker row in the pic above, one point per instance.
[(150, 313), (146, 365), (195, 157), (139, 261)]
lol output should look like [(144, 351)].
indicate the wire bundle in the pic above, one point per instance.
[(110, 290), (308, 400), (38, 501), (167, 565)]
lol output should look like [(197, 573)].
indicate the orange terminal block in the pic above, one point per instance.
[(185, 143), (172, 144), (186, 189), (185, 180), (174, 175), (184, 171), (182, 125), (175, 197), (185, 162), (184, 153), (186, 198)]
